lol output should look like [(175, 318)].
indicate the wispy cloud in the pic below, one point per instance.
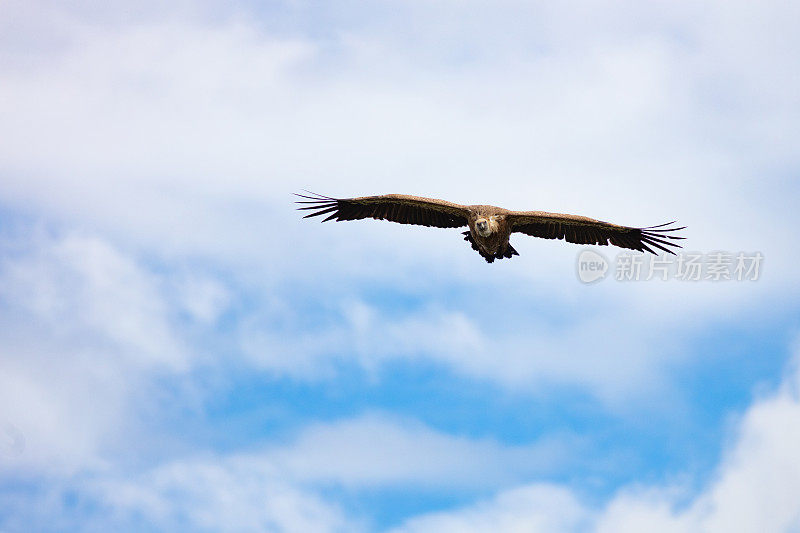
[(281, 487), (755, 488), (85, 325)]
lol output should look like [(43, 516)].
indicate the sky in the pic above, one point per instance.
[(180, 351)]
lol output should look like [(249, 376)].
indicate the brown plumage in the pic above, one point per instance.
[(490, 227)]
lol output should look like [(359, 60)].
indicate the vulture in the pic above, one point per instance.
[(490, 227)]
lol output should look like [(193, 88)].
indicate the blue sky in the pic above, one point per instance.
[(180, 351)]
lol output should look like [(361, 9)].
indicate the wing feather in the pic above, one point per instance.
[(585, 230), (399, 208)]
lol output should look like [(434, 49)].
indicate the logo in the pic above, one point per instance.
[(591, 266)]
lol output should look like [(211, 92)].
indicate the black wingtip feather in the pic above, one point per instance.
[(659, 239), (315, 195), (660, 225)]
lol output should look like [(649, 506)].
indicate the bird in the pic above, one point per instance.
[(489, 226)]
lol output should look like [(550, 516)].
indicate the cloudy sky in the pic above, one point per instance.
[(180, 351)]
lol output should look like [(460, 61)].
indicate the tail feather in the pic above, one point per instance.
[(508, 253)]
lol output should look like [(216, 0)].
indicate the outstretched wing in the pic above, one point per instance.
[(395, 207), (584, 230)]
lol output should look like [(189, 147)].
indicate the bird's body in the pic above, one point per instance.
[(489, 230), (490, 227)]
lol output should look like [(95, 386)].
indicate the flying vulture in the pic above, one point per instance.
[(490, 226)]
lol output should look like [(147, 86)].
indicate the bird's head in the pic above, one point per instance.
[(486, 226)]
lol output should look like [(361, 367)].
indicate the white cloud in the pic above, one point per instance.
[(501, 345), (223, 495), (530, 509), (755, 488), (86, 327), (204, 298), (361, 336), (283, 486), (380, 451), (81, 286)]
